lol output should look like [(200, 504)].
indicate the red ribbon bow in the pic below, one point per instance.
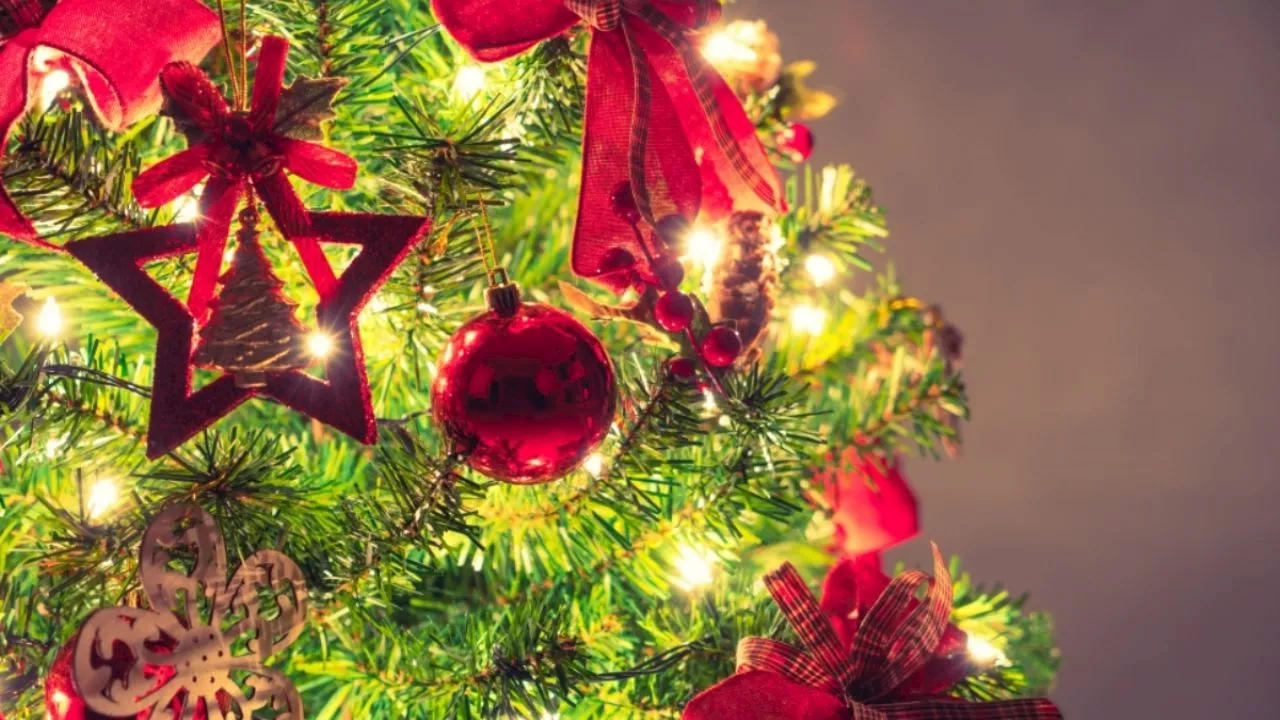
[(654, 107), (116, 48), (826, 681), (241, 148)]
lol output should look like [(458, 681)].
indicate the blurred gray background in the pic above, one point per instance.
[(1091, 188)]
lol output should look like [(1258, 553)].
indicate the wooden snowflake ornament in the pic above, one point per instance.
[(209, 637)]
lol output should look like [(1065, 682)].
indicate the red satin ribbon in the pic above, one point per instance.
[(115, 47), (657, 114), (242, 149)]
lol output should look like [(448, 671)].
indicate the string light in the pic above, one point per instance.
[(694, 568), (469, 81), (726, 46), (808, 319), (49, 322), (709, 403), (594, 464), (54, 446), (187, 209), (704, 247), (984, 652), (102, 497), (820, 268), (319, 344), (61, 704), (52, 84)]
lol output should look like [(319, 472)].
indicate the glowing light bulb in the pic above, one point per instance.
[(319, 344), (728, 47), (808, 319), (820, 268), (49, 322), (187, 208), (594, 464), (102, 497), (51, 84), (694, 568), (704, 247), (469, 81), (61, 704), (709, 403), (985, 653)]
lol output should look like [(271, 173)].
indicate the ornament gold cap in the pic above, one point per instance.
[(503, 295)]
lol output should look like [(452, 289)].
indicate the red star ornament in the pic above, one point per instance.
[(240, 150), (341, 401)]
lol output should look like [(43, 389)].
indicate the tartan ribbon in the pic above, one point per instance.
[(114, 48), (657, 115), (19, 15), (895, 639), (236, 151)]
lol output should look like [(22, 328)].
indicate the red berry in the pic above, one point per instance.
[(682, 369), (623, 202), (721, 346), (670, 274), (796, 142), (616, 259), (672, 229), (619, 263), (674, 311)]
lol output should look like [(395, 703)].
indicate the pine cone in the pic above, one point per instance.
[(745, 281)]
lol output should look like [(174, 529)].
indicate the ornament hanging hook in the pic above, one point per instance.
[(237, 96)]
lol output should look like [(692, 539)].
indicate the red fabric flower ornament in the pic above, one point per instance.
[(237, 148), (872, 505), (116, 49), (863, 676), (657, 116)]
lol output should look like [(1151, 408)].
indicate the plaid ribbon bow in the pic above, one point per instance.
[(894, 640), (655, 107)]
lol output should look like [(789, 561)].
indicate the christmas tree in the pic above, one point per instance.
[(754, 389), (253, 329)]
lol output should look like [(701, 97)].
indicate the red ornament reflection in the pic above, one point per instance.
[(524, 398)]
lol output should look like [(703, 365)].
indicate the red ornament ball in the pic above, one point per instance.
[(721, 346), (524, 397), (796, 142), (674, 311), (63, 701)]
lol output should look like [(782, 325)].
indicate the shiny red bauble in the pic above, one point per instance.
[(63, 701), (524, 394), (674, 311), (795, 141), (721, 347)]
